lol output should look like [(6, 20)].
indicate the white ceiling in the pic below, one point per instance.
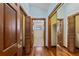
[(44, 6), (46, 9)]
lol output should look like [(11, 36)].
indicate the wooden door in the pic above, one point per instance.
[(1, 28), (22, 28), (60, 32), (71, 33), (28, 35), (49, 33), (9, 35), (21, 32)]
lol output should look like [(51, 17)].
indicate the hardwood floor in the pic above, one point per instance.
[(62, 51), (54, 51), (42, 51)]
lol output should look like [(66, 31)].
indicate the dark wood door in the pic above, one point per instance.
[(49, 33), (1, 28), (28, 35), (60, 32), (8, 29), (71, 34), (21, 34)]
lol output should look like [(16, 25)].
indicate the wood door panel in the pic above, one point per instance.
[(49, 33), (1, 26), (21, 24), (10, 51), (9, 29), (28, 34), (71, 34), (10, 26)]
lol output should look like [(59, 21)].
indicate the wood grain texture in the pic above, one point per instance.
[(42, 51), (49, 33), (71, 33), (1, 26), (9, 29), (28, 35), (10, 26), (60, 33), (63, 51)]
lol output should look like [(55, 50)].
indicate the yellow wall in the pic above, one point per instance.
[(54, 19), (53, 29), (23, 30), (77, 31), (77, 23)]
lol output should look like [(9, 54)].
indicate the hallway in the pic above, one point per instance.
[(39, 29)]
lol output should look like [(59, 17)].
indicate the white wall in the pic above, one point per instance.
[(66, 10)]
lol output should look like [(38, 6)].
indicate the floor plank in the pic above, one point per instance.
[(62, 51), (41, 51)]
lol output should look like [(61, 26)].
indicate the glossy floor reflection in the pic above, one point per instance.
[(62, 51), (42, 51)]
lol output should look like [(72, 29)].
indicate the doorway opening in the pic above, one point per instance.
[(38, 32), (60, 32)]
